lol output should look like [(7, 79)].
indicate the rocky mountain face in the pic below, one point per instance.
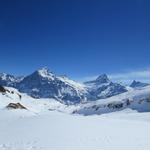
[(45, 84), (102, 87), (137, 84)]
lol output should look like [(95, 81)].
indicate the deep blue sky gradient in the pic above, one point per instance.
[(74, 37)]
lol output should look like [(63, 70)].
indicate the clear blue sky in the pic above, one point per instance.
[(74, 37)]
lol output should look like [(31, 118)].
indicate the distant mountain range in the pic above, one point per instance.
[(44, 84)]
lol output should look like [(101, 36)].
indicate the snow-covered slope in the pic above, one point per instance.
[(33, 106), (135, 99), (47, 124), (22, 130)]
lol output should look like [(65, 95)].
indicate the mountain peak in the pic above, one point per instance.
[(135, 84), (45, 72), (103, 78)]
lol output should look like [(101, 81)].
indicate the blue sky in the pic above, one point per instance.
[(81, 38)]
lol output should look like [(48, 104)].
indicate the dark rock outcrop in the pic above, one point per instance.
[(15, 106), (2, 89)]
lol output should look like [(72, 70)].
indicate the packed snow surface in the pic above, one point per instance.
[(22, 130), (49, 125)]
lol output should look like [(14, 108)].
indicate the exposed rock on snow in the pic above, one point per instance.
[(136, 99), (15, 106), (2, 89), (145, 100)]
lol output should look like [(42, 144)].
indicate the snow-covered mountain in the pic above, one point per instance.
[(44, 84), (137, 84), (42, 123), (9, 80), (102, 87)]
